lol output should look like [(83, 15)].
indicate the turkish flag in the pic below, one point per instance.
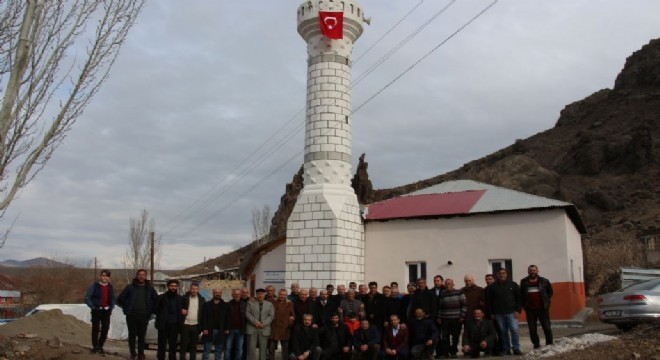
[(332, 24)]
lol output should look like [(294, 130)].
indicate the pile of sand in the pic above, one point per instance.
[(49, 324)]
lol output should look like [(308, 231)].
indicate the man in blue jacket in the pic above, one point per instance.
[(137, 301), (100, 298)]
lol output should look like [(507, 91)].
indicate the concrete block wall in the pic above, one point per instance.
[(324, 246)]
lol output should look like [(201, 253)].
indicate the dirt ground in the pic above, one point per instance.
[(50, 335), (643, 342), (46, 335)]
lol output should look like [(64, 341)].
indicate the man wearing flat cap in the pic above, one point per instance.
[(259, 313)]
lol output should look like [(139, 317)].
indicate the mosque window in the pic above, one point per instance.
[(416, 270), (497, 264)]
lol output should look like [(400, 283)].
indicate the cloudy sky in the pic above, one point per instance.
[(197, 123)]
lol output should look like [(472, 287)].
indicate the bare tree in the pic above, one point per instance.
[(261, 224), (45, 81), (139, 244)]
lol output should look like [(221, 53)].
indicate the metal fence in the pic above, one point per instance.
[(633, 275)]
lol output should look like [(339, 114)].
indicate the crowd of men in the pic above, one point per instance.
[(357, 322)]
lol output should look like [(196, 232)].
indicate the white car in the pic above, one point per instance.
[(632, 305)]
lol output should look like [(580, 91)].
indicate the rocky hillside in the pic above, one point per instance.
[(602, 155)]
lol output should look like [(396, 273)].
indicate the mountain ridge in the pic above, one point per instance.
[(35, 262)]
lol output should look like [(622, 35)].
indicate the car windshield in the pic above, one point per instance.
[(644, 285)]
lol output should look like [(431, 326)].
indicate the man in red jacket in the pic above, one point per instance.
[(395, 340)]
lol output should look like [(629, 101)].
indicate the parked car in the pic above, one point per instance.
[(632, 305)]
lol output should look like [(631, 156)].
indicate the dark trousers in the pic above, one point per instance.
[(315, 354), (272, 346), (167, 337), (137, 329), (475, 349), (421, 351), (402, 354), (371, 354), (334, 354), (451, 331), (439, 350), (542, 316), (102, 318), (189, 337)]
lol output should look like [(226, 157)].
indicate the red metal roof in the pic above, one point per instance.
[(425, 205)]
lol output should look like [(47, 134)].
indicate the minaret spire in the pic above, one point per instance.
[(325, 234)]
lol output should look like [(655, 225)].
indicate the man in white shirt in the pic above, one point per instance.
[(192, 310)]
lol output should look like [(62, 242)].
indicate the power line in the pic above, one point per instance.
[(387, 32), (177, 220), (221, 210), (401, 44), (425, 56)]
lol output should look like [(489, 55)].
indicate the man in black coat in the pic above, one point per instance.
[(137, 301), (340, 295), (479, 335), (323, 308), (169, 318), (366, 341), (423, 299), (237, 325), (336, 339), (503, 299), (392, 305), (536, 292), (424, 335), (437, 290), (406, 310), (305, 343), (215, 324), (374, 306), (303, 305)]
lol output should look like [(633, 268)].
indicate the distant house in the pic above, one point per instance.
[(206, 279), (11, 305), (457, 228), (265, 265), (159, 282), (467, 227)]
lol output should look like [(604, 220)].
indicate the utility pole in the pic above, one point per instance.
[(152, 235)]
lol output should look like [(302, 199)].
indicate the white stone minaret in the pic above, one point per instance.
[(325, 234)]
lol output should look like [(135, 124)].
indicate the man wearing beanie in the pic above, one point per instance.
[(168, 320)]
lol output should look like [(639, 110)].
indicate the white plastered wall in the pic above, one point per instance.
[(271, 261), (544, 238)]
